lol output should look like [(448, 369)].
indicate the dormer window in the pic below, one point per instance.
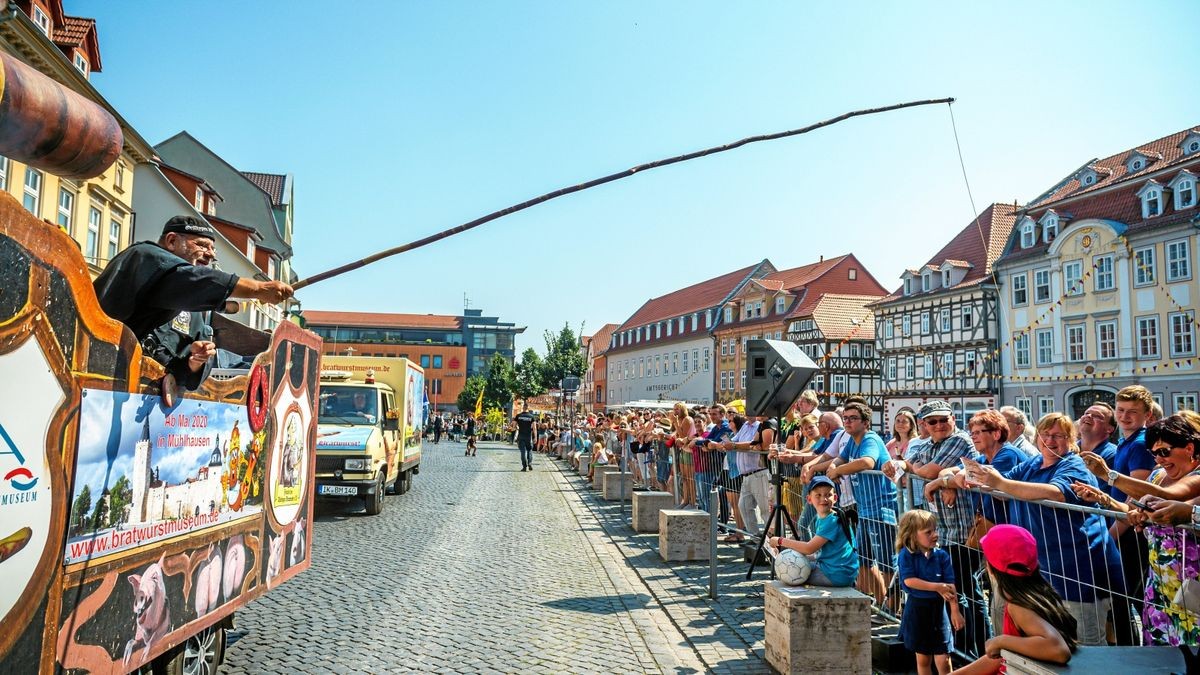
[(1151, 196), (1049, 226), (41, 20), (1087, 177), (780, 303), (1190, 144), (908, 286), (946, 278), (1184, 186), (1028, 237), (728, 313), (80, 63), (926, 281)]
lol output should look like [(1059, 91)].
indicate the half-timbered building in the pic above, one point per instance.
[(938, 332), (838, 334)]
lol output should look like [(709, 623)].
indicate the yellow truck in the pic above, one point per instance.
[(370, 417)]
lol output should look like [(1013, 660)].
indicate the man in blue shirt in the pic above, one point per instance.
[(875, 496)]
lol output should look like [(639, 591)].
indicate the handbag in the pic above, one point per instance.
[(978, 528)]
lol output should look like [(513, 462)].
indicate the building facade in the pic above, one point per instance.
[(938, 333), (838, 334), (1098, 283), (664, 350), (98, 212), (595, 380), (782, 305), (486, 336)]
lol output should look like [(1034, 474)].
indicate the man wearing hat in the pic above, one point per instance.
[(160, 290)]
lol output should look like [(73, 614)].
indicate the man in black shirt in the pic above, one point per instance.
[(160, 290), (471, 435), (525, 422)]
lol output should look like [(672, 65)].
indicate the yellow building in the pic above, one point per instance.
[(97, 212)]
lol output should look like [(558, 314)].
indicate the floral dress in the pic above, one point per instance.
[(1174, 556)]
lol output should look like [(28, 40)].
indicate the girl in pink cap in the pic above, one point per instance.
[(1036, 624)]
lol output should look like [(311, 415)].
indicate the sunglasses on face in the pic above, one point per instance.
[(937, 421), (1162, 452)]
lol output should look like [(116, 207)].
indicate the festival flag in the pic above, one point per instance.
[(479, 404)]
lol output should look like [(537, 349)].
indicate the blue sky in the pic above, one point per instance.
[(400, 119)]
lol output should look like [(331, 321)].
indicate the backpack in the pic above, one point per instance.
[(848, 519)]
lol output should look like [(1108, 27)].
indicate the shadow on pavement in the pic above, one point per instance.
[(599, 604)]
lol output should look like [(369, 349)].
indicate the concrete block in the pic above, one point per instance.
[(1102, 659), (646, 506), (815, 629), (598, 476), (612, 485), (683, 535), (583, 465)]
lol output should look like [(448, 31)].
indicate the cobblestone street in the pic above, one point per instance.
[(483, 568)]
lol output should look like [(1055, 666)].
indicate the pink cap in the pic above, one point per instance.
[(1010, 549)]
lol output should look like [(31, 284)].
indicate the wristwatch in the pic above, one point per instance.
[(945, 479), (1196, 514), (1113, 476)]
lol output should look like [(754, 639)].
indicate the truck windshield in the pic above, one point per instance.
[(348, 405)]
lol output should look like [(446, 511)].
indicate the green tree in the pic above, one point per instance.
[(527, 380), (470, 393), (81, 507), (498, 384), (120, 497), (564, 357)]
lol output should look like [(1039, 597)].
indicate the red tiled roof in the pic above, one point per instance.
[(72, 31), (1164, 152), (603, 337), (316, 317), (841, 316), (978, 245), (270, 183), (687, 300)]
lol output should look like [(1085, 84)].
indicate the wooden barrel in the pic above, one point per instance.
[(48, 126)]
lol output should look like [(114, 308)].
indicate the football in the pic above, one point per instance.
[(792, 567)]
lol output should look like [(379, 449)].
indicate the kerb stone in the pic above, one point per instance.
[(598, 476), (646, 506), (612, 485), (683, 535)]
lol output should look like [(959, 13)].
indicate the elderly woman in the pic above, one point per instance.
[(1076, 553), (1174, 552)]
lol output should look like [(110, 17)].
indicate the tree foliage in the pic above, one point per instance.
[(81, 507), (470, 393), (498, 384), (527, 380), (564, 357)]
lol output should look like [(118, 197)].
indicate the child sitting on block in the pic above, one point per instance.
[(831, 549)]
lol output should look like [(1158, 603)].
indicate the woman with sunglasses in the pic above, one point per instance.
[(1174, 552)]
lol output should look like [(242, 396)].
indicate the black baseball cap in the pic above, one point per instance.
[(189, 225)]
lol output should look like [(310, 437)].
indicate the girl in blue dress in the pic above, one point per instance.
[(928, 578)]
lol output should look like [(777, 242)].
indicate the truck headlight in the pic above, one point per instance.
[(356, 464)]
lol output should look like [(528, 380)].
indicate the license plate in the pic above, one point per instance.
[(340, 490)]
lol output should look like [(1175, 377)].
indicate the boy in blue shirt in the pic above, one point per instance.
[(831, 549)]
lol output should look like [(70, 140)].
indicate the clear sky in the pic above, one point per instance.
[(400, 119)]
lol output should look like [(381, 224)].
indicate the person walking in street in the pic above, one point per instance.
[(525, 421), (471, 435), (438, 425)]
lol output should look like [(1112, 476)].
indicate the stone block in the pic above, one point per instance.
[(583, 465), (815, 629), (1102, 659), (612, 485), (646, 506), (683, 535), (598, 476)]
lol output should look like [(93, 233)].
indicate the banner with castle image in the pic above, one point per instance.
[(144, 473)]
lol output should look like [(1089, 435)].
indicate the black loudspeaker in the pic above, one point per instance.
[(778, 371)]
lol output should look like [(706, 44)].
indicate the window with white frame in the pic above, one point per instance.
[(728, 314), (946, 320), (1028, 236), (41, 20), (1025, 405), (1073, 277), (968, 317), (1020, 289), (724, 347), (1179, 261), (743, 379), (4, 165), (1106, 339), (66, 208), (948, 364), (868, 351), (1143, 266), (1185, 401), (924, 323), (1045, 406), (818, 384), (927, 367), (1076, 343), (1044, 338), (780, 303), (926, 281), (675, 363), (1151, 201), (1021, 350), (1049, 227), (80, 63), (839, 384), (1104, 272), (908, 286), (910, 368), (906, 326), (685, 362), (114, 236), (891, 368), (91, 249), (198, 199), (969, 362), (706, 359), (1185, 191), (33, 191), (657, 365), (723, 380), (1147, 337), (670, 326), (888, 329), (1041, 286), (1183, 336), (855, 349), (946, 278)]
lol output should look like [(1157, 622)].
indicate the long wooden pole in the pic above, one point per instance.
[(601, 181)]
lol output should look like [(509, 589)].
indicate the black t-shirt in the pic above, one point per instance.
[(146, 286), (470, 426), (524, 426), (769, 423)]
